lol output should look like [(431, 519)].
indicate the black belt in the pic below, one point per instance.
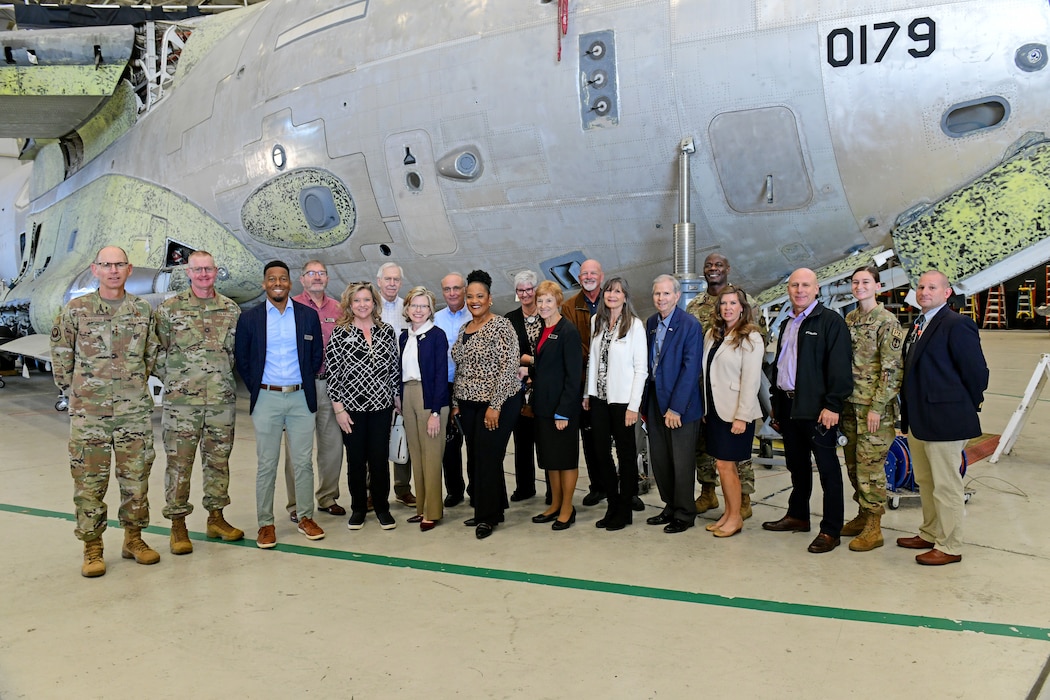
[(789, 394), (282, 389)]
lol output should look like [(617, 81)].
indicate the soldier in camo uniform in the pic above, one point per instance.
[(702, 307), (102, 351), (195, 331), (869, 415)]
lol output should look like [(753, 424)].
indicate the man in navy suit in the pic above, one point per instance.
[(278, 356), (945, 376), (672, 403)]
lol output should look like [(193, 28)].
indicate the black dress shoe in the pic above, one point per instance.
[(565, 524), (593, 498), (661, 519), (823, 543), (519, 496), (676, 526), (545, 517), (451, 500), (637, 505), (470, 522), (482, 531), (787, 524)]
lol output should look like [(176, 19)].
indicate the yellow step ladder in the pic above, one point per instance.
[(972, 308), (1026, 300)]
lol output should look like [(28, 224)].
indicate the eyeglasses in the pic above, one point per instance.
[(525, 290), (201, 270), (112, 265), (315, 273), (419, 307)]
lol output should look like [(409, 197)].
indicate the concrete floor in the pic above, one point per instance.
[(528, 612)]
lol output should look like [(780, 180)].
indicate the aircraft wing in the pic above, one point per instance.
[(37, 346)]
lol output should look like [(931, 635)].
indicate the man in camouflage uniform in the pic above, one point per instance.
[(702, 307), (102, 351), (869, 415), (195, 331)]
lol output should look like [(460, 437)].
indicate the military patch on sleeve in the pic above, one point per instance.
[(56, 334), (897, 341)]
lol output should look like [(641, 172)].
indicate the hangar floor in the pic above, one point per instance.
[(528, 612)]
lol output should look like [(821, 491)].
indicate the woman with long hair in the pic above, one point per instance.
[(424, 402), (487, 399), (364, 383), (556, 380), (616, 374), (732, 377)]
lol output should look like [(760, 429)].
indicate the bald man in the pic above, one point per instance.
[(812, 378)]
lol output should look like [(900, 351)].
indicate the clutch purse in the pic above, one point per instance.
[(398, 440)]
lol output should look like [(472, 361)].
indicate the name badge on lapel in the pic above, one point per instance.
[(308, 337)]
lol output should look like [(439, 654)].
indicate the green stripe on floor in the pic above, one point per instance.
[(773, 606)]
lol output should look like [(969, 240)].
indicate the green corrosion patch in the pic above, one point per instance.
[(141, 217), (49, 170), (118, 114), (1002, 213), (206, 34), (63, 81), (276, 213)]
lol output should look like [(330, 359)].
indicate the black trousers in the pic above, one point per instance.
[(803, 439), (525, 455), (590, 454), (607, 426), (488, 448), (367, 467), (672, 454), (452, 460)]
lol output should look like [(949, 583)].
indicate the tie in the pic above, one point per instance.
[(661, 331), (919, 323), (916, 331)]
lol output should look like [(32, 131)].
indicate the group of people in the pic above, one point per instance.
[(551, 373)]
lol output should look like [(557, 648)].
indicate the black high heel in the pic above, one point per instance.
[(560, 525), (544, 517)]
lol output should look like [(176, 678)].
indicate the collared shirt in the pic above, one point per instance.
[(661, 333), (329, 312), (393, 314), (450, 322), (410, 357), (592, 306), (282, 353), (787, 363), (931, 313)]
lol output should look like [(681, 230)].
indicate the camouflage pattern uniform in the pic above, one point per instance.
[(102, 355), (195, 362), (702, 307), (877, 371)]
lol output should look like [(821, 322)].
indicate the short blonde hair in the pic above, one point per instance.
[(347, 300), (419, 292), (548, 287)]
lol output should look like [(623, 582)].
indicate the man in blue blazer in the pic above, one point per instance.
[(672, 403), (945, 376), (278, 355)]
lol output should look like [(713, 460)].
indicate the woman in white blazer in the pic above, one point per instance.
[(732, 376), (616, 372)]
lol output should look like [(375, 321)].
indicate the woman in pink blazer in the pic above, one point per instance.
[(732, 376)]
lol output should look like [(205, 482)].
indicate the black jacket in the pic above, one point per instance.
[(557, 381), (824, 377)]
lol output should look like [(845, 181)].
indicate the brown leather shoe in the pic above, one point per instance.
[(823, 543), (267, 538), (914, 543), (334, 509), (406, 499), (787, 524), (310, 529), (936, 557)]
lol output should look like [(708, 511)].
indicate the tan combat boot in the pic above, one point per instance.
[(870, 537), (218, 527), (135, 548), (708, 499), (94, 565), (856, 526), (745, 506), (180, 539)]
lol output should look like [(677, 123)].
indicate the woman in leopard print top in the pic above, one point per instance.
[(487, 398)]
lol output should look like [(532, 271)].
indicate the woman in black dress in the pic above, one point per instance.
[(557, 378), (732, 376)]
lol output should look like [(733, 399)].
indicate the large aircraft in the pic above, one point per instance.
[(458, 134)]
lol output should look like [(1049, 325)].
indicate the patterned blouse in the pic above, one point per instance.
[(603, 360), (363, 377), (487, 363)]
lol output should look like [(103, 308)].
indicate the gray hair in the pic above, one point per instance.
[(525, 277), (669, 278), (379, 274), (308, 263)]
